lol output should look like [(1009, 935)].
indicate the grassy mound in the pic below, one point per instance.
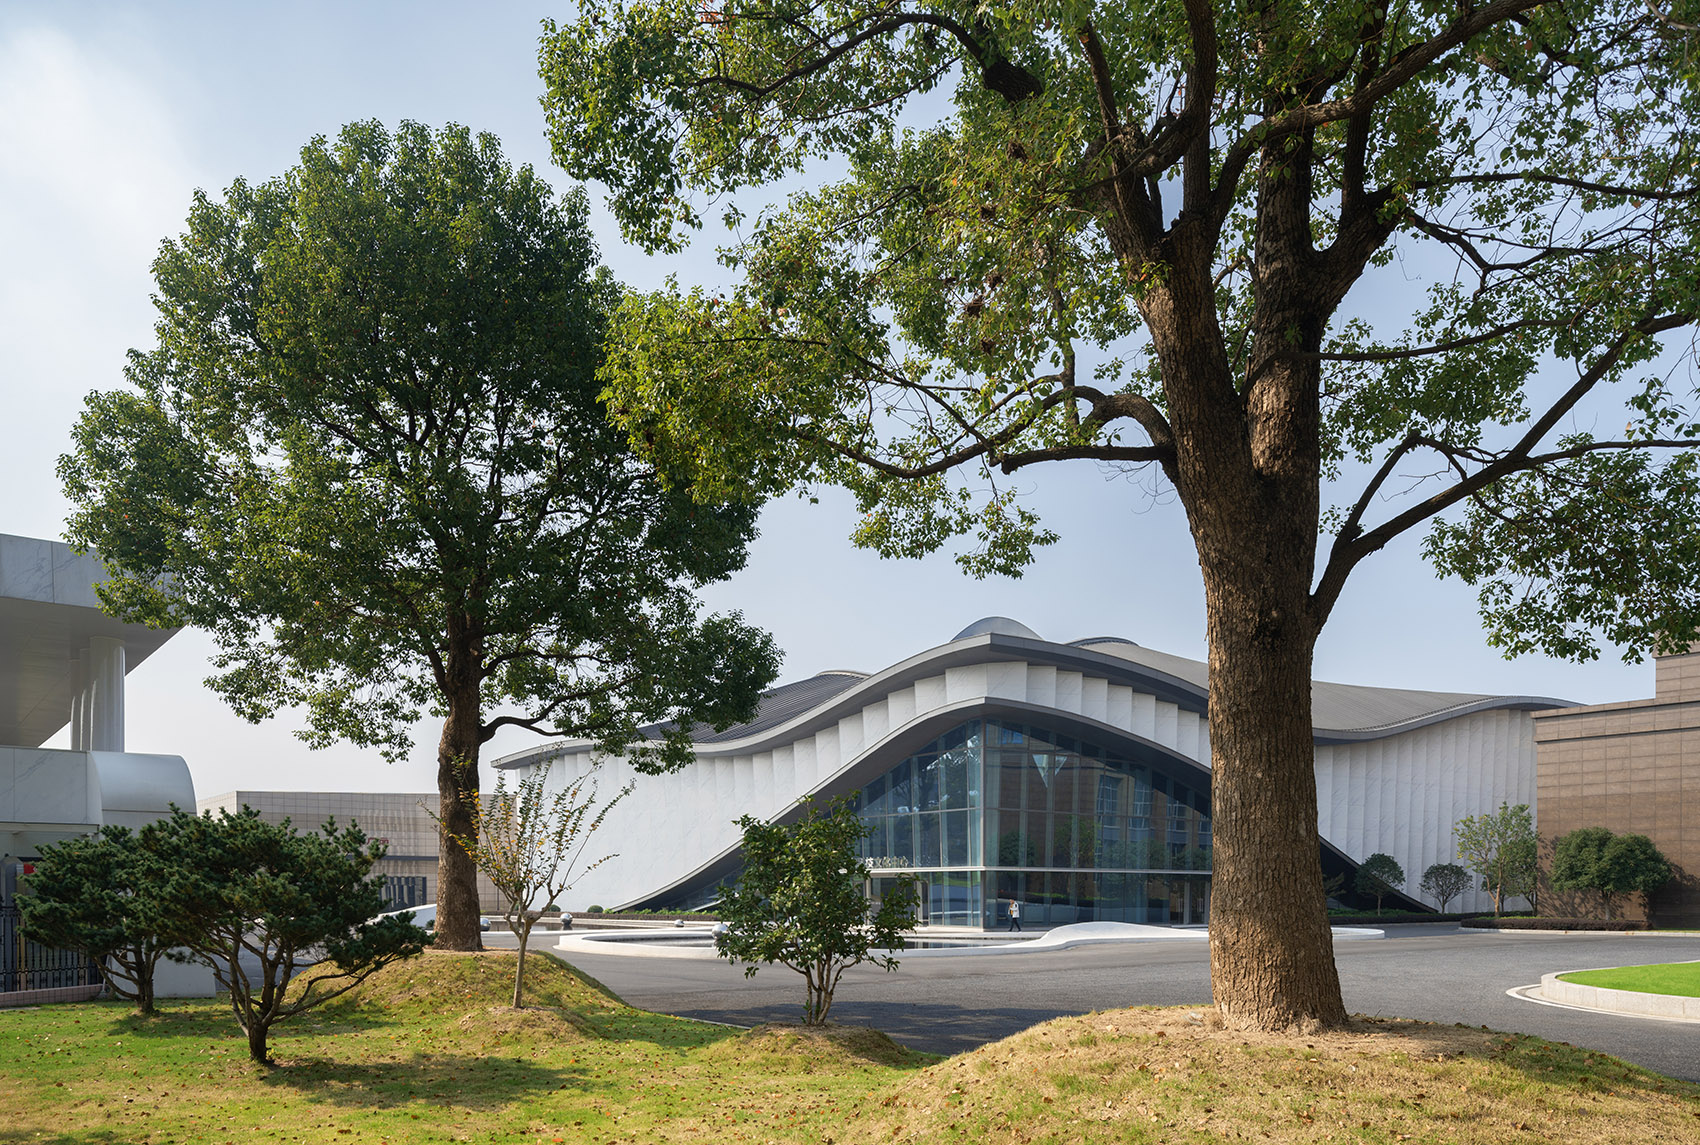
[(1175, 1075), (440, 980), (808, 1049)]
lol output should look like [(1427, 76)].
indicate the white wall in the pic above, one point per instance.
[(1400, 794)]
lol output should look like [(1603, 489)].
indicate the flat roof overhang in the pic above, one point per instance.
[(48, 613)]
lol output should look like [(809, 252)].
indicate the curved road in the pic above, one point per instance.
[(947, 1005)]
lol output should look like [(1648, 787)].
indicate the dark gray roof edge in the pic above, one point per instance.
[(1440, 715)]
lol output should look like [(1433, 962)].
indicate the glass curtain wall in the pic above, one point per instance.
[(995, 811)]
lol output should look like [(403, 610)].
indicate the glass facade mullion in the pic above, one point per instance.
[(996, 809)]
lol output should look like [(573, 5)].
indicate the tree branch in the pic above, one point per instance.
[(1521, 457)]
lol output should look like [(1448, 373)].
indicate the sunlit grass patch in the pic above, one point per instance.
[(427, 1052), (1682, 978)]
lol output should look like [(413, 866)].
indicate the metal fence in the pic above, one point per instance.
[(28, 965)]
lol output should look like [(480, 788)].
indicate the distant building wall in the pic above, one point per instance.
[(403, 820), (1632, 768)]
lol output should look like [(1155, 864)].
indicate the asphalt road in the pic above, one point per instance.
[(947, 1005)]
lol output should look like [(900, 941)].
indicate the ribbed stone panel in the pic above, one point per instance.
[(1402, 795)]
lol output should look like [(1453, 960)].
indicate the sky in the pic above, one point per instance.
[(111, 115)]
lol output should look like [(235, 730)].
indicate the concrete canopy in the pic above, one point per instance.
[(48, 612)]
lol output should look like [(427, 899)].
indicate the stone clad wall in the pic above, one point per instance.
[(1630, 767)]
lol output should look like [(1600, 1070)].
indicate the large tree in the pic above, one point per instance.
[(367, 455), (1148, 234)]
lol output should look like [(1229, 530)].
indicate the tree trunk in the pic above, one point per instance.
[(1271, 949), (457, 779), (519, 969), (144, 988), (257, 1044)]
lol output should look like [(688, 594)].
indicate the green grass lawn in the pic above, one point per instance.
[(428, 1052), (1660, 978)]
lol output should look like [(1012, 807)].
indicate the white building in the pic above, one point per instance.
[(1074, 777), (63, 661)]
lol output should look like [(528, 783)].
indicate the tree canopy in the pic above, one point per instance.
[(366, 453), (1379, 876), (1613, 865), (99, 894), (1394, 250), (286, 920), (1501, 847), (1444, 882)]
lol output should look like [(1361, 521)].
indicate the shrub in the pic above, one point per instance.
[(305, 903), (800, 903), (1501, 922)]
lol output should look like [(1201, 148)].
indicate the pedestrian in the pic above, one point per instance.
[(1015, 914)]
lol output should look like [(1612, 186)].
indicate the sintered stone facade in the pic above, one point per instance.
[(402, 821), (1073, 778), (1630, 767)]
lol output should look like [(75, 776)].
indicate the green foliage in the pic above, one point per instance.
[(800, 902), (530, 845), (1596, 859), (366, 453), (1164, 236), (98, 894), (1444, 882), (1501, 848), (965, 291), (305, 907), (1379, 875)]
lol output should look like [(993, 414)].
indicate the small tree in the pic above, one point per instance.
[(1501, 848), (1444, 882), (1594, 859), (529, 845), (292, 902), (800, 902), (1379, 875), (98, 894), (1576, 861)]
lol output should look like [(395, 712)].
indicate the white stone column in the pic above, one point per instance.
[(79, 701), (106, 694)]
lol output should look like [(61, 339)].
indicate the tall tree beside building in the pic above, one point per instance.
[(366, 454), (1132, 234)]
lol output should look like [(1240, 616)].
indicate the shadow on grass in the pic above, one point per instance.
[(474, 1081), (1554, 1063)]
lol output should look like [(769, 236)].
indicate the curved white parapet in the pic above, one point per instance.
[(667, 943), (134, 789)]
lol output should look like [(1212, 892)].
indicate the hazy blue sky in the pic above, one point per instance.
[(112, 114)]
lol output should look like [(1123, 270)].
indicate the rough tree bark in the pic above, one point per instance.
[(1247, 466), (457, 776)]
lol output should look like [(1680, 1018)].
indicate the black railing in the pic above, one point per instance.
[(28, 965)]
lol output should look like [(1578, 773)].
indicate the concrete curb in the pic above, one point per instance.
[(1688, 934), (49, 995), (1060, 938), (1552, 990)]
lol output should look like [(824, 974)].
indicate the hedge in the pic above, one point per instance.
[(1502, 923)]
